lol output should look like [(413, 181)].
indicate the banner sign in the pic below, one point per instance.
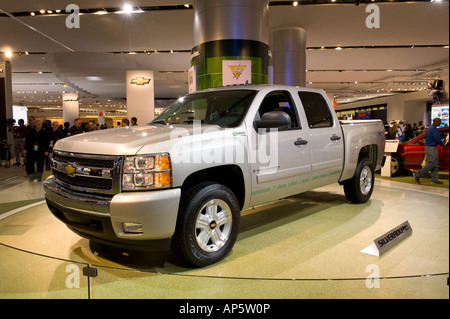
[(236, 72), (388, 240), (192, 79), (390, 146)]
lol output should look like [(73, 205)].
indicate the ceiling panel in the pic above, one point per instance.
[(83, 59)]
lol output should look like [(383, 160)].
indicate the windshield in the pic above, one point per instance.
[(224, 108)]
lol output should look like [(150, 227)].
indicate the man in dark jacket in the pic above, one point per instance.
[(76, 128), (55, 135), (432, 139), (36, 149)]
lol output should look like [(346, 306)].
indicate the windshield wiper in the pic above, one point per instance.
[(161, 121), (190, 121)]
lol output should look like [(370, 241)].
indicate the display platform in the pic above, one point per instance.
[(306, 246)]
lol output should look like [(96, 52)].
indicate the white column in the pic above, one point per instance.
[(288, 46), (71, 108), (140, 95)]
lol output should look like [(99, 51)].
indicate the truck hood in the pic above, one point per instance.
[(122, 141)]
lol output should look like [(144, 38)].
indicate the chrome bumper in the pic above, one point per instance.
[(102, 218)]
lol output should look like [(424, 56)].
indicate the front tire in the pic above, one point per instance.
[(207, 225), (359, 188)]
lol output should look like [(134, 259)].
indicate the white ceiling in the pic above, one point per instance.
[(402, 55)]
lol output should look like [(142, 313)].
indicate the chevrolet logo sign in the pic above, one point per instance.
[(140, 81), (69, 169)]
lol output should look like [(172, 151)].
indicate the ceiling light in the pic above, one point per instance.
[(295, 3), (32, 14), (338, 48), (8, 53), (42, 11), (127, 8)]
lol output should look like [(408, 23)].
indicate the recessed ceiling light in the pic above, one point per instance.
[(127, 8)]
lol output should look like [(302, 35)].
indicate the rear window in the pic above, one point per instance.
[(316, 108)]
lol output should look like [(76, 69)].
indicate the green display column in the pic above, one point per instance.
[(231, 43)]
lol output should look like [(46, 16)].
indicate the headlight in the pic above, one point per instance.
[(147, 172)]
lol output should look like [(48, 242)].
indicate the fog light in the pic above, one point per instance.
[(135, 228)]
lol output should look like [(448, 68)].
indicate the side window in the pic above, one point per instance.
[(420, 141), (279, 101), (316, 109)]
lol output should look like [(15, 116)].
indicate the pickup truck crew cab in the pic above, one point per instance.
[(182, 180)]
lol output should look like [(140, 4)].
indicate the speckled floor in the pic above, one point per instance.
[(307, 246)]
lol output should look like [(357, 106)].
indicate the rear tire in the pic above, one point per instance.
[(359, 188), (207, 225)]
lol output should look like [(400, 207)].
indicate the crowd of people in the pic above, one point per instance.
[(398, 130), (33, 144)]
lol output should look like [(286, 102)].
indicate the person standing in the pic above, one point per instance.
[(415, 130), (30, 138), (19, 140), (125, 123), (76, 128), (408, 132), (55, 135), (92, 126), (432, 139), (36, 149)]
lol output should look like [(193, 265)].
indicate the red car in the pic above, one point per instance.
[(410, 154)]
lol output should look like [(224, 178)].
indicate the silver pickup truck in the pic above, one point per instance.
[(181, 181)]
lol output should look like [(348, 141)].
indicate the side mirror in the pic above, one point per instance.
[(274, 119)]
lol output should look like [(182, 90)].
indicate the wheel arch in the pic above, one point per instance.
[(230, 176), (370, 152)]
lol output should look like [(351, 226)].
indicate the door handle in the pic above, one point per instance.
[(300, 142), (334, 137)]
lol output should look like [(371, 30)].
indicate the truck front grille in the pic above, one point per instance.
[(88, 173)]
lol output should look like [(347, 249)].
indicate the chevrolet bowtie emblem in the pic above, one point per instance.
[(140, 81), (69, 169)]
